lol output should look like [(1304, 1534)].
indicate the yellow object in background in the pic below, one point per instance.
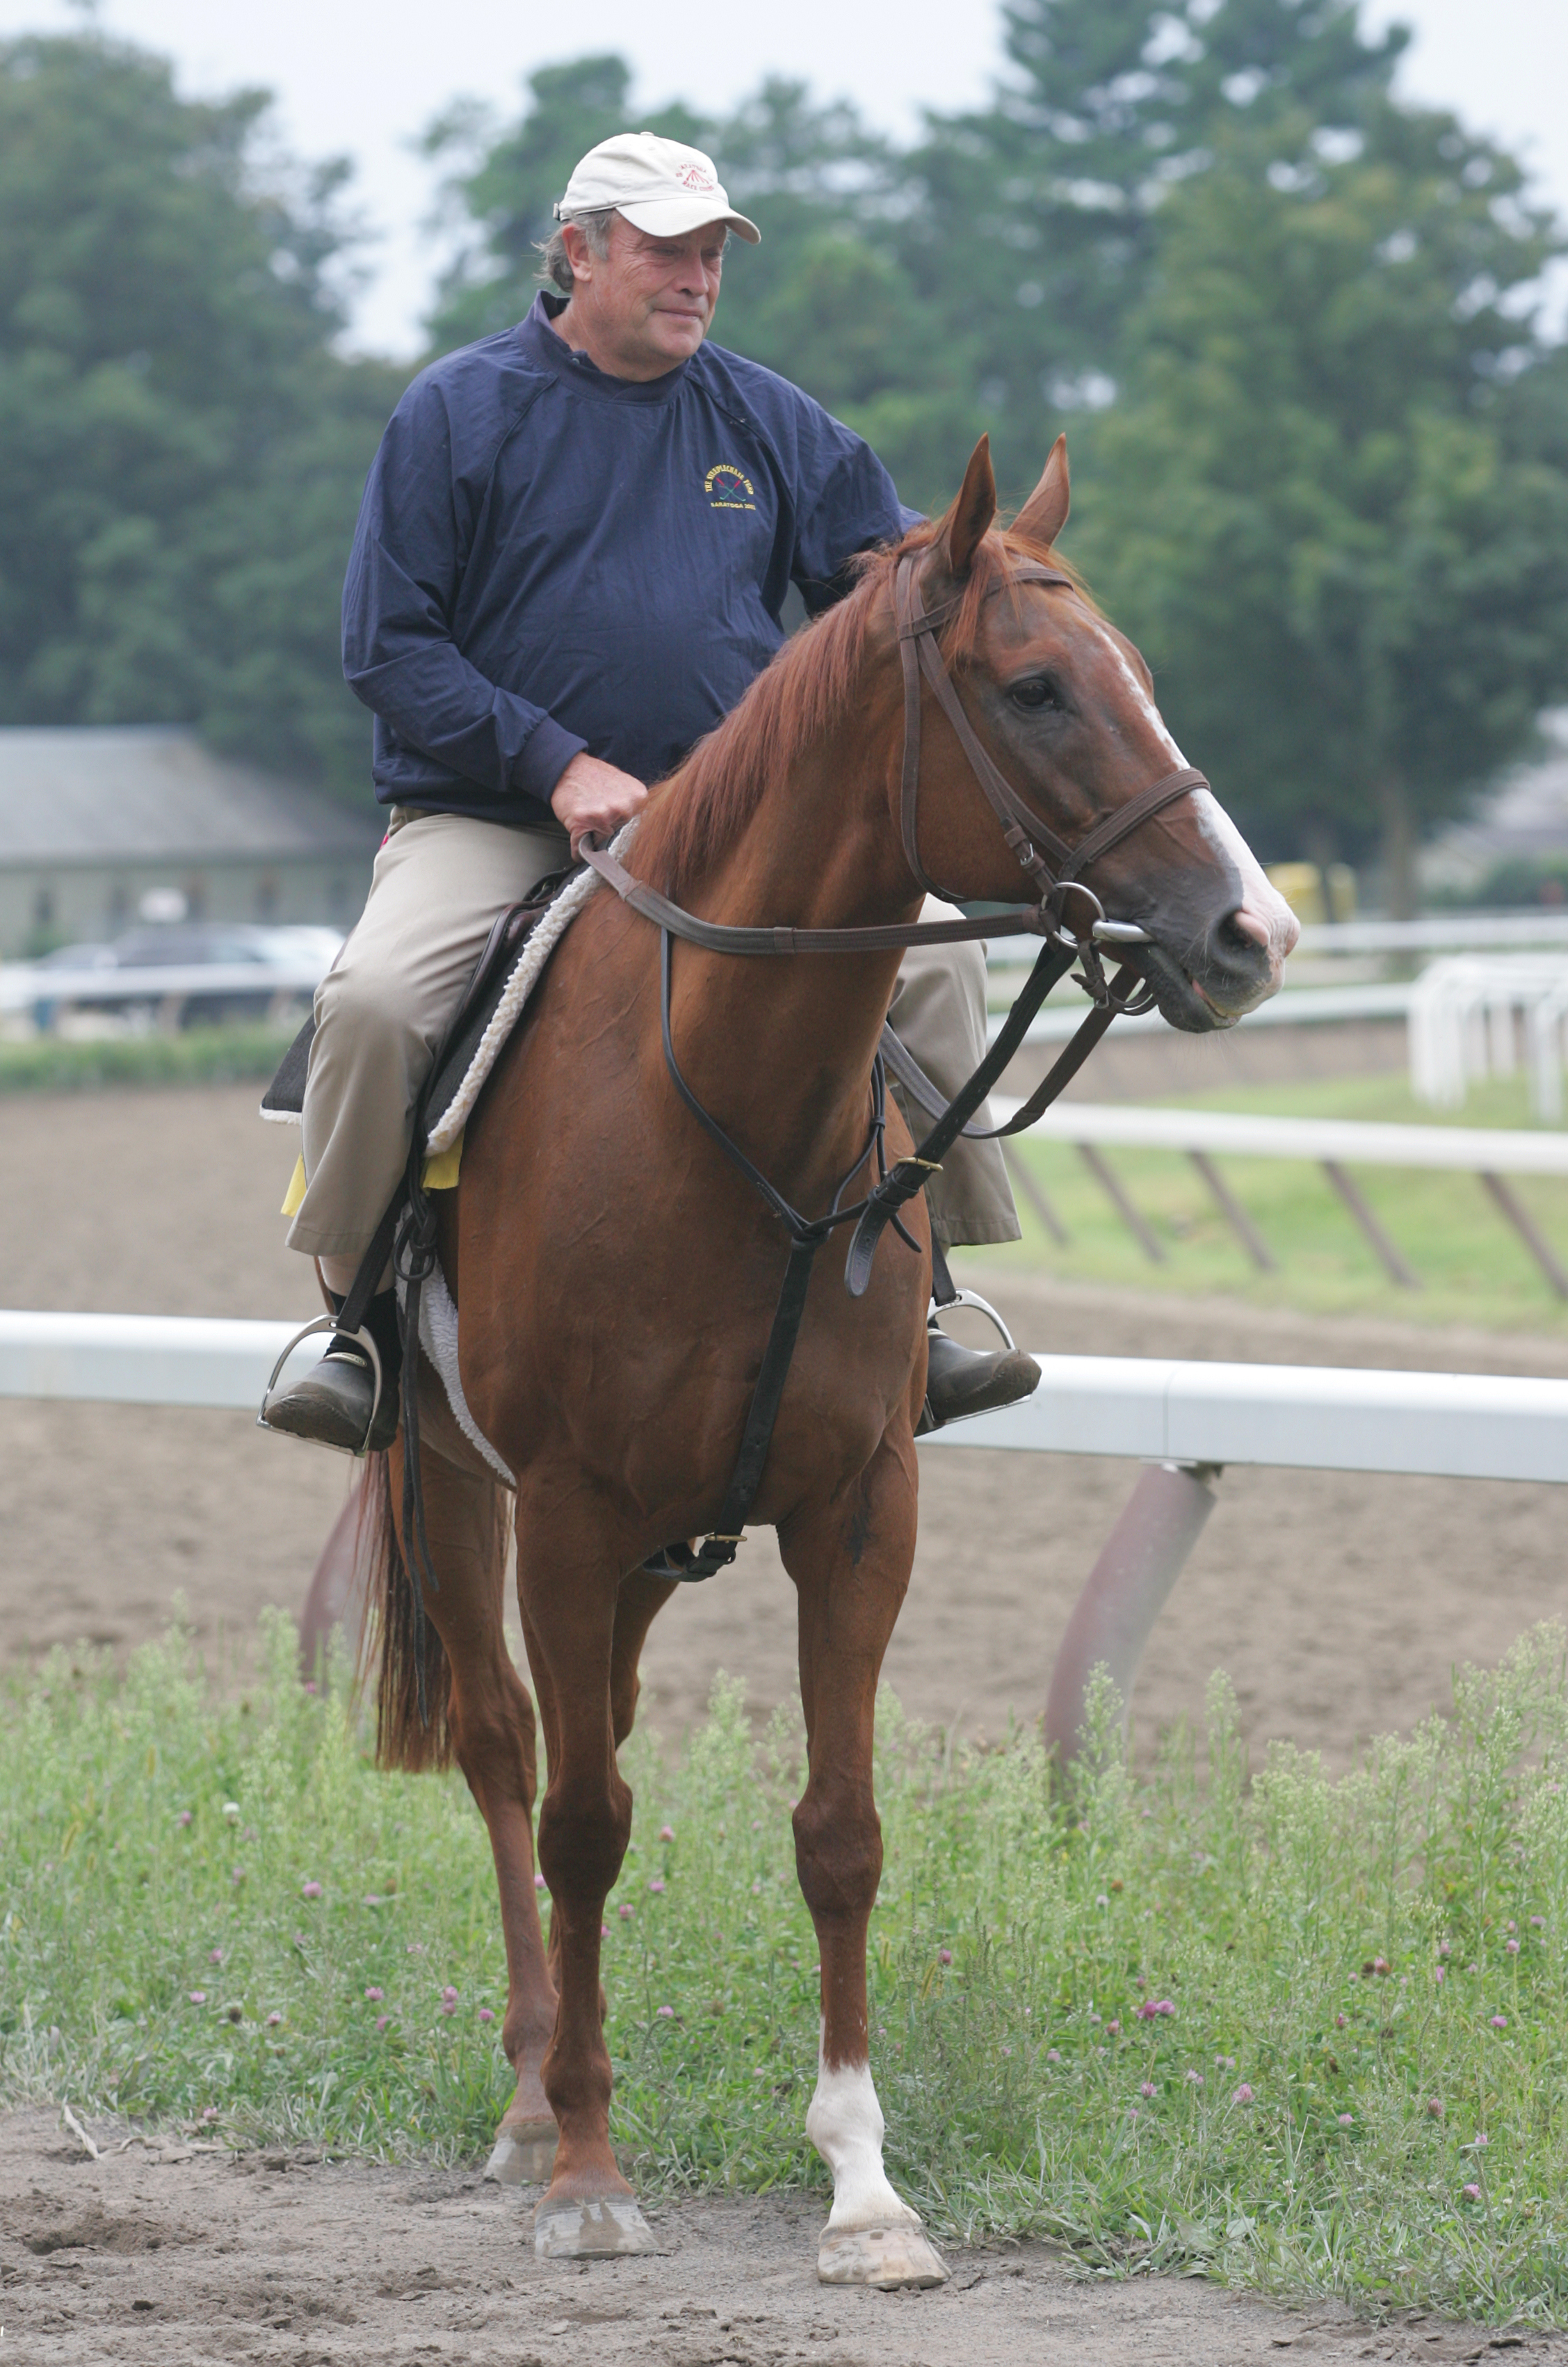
[(1301, 886)]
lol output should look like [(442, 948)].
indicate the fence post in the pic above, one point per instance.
[(1528, 1231), (1034, 1193), (1394, 1265), (1126, 1590), (1230, 1207), (1105, 1175)]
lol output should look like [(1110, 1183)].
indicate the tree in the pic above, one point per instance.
[(1036, 225), (1333, 502), (181, 450)]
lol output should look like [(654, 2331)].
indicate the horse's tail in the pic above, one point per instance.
[(395, 1632)]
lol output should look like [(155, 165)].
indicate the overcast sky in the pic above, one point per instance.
[(362, 77)]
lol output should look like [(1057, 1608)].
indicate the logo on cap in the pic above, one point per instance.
[(696, 176), (728, 488)]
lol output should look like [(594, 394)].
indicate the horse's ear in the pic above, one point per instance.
[(1044, 514), (965, 526)]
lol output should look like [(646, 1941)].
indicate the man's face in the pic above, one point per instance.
[(649, 303)]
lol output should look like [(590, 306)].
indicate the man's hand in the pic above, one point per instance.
[(591, 796)]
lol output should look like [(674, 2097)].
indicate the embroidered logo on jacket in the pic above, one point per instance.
[(728, 488)]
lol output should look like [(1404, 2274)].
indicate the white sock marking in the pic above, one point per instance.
[(845, 2125)]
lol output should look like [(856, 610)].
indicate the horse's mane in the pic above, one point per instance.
[(697, 815)]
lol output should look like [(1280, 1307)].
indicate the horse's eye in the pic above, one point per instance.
[(1036, 694)]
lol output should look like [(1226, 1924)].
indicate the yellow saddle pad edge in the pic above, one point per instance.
[(440, 1175), (441, 1172)]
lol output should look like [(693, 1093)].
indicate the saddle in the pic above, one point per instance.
[(285, 1097)]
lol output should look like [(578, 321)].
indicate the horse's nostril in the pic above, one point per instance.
[(1246, 927)]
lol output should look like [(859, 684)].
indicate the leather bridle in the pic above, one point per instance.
[(1023, 830)]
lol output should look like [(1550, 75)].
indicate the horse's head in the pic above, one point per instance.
[(1064, 705)]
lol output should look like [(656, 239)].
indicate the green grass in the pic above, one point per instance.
[(1471, 1265), (197, 1055), (1358, 2087)]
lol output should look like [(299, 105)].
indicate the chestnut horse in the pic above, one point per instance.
[(616, 1279)]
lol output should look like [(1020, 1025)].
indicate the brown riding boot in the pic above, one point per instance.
[(334, 1403), (965, 1381)]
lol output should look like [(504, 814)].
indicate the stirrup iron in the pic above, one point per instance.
[(362, 1337), (981, 1306)]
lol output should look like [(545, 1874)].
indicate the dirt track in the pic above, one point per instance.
[(1337, 1605), (168, 2255)]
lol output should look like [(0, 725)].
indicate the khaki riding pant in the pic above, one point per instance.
[(439, 884)]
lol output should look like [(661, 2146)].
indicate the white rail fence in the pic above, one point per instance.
[(1184, 1421), (1298, 1006), (1492, 1154), (1467, 1014), (27, 986), (1436, 932)]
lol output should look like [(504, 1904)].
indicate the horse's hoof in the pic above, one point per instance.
[(525, 2154), (878, 2256), (607, 2228)]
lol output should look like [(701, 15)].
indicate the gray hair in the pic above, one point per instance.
[(554, 262)]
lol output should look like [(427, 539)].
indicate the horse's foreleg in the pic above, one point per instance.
[(638, 1604), (568, 1584), (851, 1562), (491, 1720)]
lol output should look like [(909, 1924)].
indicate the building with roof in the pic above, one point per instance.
[(101, 825)]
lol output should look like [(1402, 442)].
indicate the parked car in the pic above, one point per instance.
[(307, 952)]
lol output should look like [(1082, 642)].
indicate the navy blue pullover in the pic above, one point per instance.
[(548, 558)]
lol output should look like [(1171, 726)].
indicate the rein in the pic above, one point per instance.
[(1024, 834)]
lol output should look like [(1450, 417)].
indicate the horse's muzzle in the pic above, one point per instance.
[(1232, 974)]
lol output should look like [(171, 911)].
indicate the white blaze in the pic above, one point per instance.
[(1261, 902), (1146, 705), (845, 2125), (1260, 899)]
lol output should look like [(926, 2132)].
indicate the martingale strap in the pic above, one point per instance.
[(807, 1236)]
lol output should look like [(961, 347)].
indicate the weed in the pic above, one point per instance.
[(1296, 2032)]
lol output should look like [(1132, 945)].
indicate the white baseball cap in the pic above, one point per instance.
[(660, 186)]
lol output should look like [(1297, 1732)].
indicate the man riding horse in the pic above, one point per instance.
[(572, 559)]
